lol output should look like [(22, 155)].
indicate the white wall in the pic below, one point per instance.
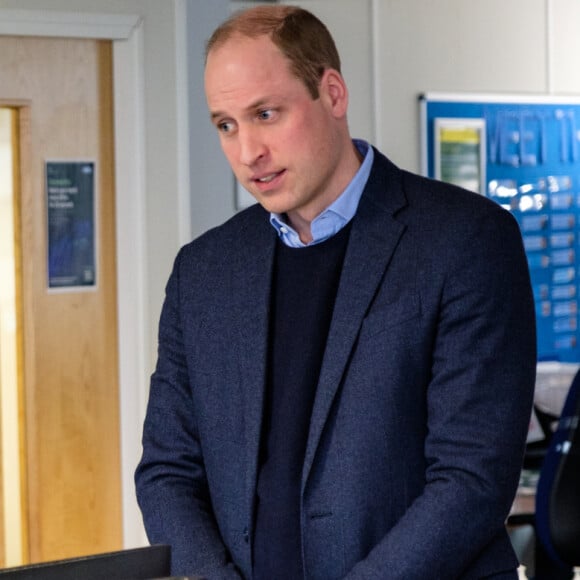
[(497, 46), (212, 181)]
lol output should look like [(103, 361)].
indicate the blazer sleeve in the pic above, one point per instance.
[(171, 484), (479, 400)]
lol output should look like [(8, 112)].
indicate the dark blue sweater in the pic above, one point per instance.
[(305, 282)]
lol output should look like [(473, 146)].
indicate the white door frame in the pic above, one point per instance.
[(126, 33)]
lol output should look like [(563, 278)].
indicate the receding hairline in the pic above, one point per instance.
[(298, 33), (252, 23)]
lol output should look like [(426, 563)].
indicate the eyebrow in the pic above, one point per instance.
[(255, 105)]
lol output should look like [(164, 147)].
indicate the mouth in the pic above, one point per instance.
[(268, 179)]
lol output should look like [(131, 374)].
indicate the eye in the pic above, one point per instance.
[(225, 126), (265, 114)]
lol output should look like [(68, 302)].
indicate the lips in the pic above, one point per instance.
[(268, 178), (268, 181)]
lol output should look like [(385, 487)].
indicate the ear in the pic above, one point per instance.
[(334, 92)]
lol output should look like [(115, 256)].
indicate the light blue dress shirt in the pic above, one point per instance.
[(338, 213)]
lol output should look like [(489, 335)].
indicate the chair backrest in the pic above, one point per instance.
[(558, 493), (137, 564)]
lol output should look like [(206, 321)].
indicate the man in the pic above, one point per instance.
[(346, 369)]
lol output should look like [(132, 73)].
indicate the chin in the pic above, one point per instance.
[(273, 206)]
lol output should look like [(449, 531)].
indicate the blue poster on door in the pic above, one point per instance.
[(70, 202), (524, 153)]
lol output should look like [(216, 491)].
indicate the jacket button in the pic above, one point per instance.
[(246, 535)]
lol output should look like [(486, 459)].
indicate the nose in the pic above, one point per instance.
[(251, 146)]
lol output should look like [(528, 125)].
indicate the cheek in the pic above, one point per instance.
[(315, 136), (302, 142)]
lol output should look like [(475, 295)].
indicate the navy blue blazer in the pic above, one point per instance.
[(422, 406)]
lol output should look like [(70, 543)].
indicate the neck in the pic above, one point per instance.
[(301, 221), (302, 227)]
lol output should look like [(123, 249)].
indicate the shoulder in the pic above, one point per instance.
[(211, 261), (418, 199), (447, 197), (250, 226)]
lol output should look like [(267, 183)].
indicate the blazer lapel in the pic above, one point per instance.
[(373, 239), (254, 274)]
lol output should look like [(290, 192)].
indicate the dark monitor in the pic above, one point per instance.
[(136, 564)]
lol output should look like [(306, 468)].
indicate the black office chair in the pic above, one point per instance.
[(557, 518), (136, 564)]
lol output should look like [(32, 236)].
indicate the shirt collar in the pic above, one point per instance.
[(338, 213)]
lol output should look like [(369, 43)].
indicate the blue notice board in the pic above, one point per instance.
[(524, 153)]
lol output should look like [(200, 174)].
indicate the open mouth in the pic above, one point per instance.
[(268, 178)]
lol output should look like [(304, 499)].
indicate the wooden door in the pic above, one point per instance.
[(62, 91)]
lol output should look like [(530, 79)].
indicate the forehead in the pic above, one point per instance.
[(242, 64), (239, 47)]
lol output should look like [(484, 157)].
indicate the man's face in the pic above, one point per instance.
[(283, 146)]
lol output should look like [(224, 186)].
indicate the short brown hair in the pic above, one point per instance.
[(299, 35)]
